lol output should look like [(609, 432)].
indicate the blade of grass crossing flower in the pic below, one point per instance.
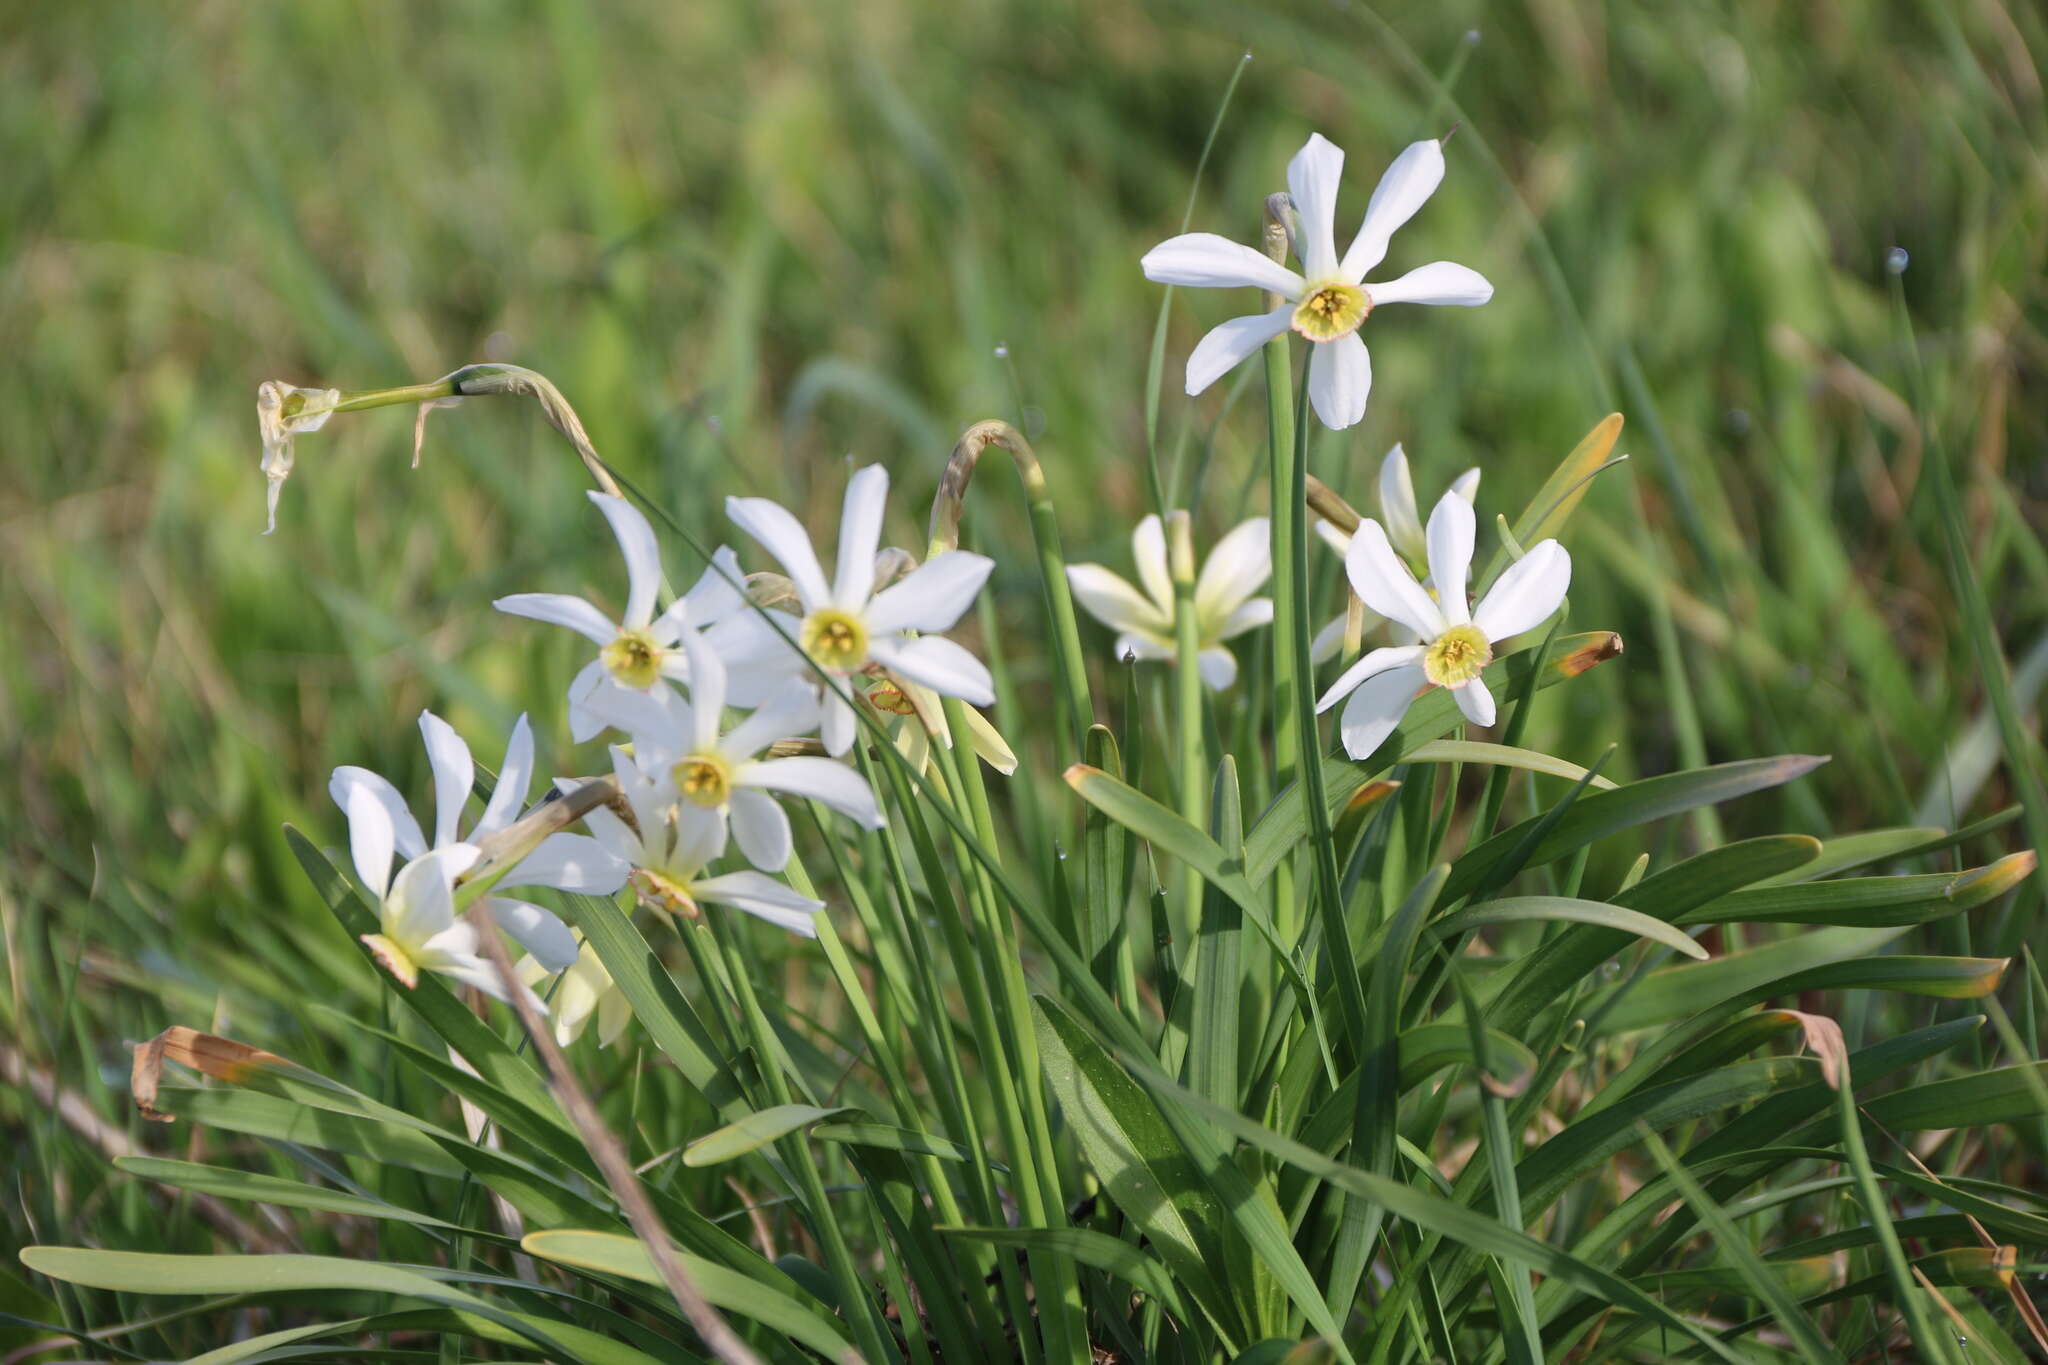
[(1216, 995), (1192, 771)]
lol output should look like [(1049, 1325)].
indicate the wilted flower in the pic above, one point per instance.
[(1330, 300), (640, 648), (847, 627), (1403, 525), (1456, 644), (565, 862), (721, 777), (1224, 605), (923, 718), (668, 855), (282, 411)]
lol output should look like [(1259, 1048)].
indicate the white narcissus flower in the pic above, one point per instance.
[(417, 930), (639, 649), (586, 991), (669, 854), (565, 862), (1457, 644), (721, 778), (1403, 525), (923, 717), (1224, 605), (847, 627), (1330, 300)]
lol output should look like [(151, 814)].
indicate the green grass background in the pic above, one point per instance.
[(755, 242)]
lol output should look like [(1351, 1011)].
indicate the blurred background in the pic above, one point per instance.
[(753, 243)]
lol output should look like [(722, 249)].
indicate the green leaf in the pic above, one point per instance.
[(626, 1257), (1747, 978), (754, 1131), (1600, 814), (1095, 1249), (1870, 902), (1565, 909), (893, 1139), (1502, 755), (2006, 1094), (228, 1183), (283, 1120)]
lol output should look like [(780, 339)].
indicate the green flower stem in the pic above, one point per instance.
[(1187, 678), (1061, 1308), (1069, 662), (1280, 425), (862, 1313)]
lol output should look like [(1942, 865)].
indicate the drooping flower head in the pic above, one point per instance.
[(1330, 299), (585, 991), (669, 853), (847, 627), (640, 648), (1224, 606), (1456, 643), (720, 777), (377, 813)]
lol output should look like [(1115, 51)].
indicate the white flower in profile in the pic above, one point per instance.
[(585, 991), (1329, 301), (1456, 644), (417, 930), (639, 649), (847, 627), (921, 718), (1403, 525), (721, 778), (565, 862), (668, 856), (1224, 605)]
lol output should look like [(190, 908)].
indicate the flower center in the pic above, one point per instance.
[(663, 893), (1459, 655), (634, 659), (835, 639), (705, 779), (1332, 310), (887, 696)]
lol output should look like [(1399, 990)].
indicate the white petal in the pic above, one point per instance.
[(515, 776), (1439, 282), (614, 1012), (1340, 541), (838, 725), (822, 780), (757, 646), (1113, 601), (1131, 645), (1524, 596), (1148, 553), (454, 774), (699, 834), (761, 829), (1312, 179), (791, 711), (860, 535), (537, 930), (707, 690), (1227, 344), (560, 609), (762, 896), (1450, 533), (1218, 667), (1398, 508), (717, 592), (1377, 707), (569, 862), (1339, 378), (614, 835), (1205, 261), (659, 721), (1405, 188), (591, 679), (1384, 583), (1248, 616), (783, 536), (1466, 485), (643, 557), (369, 838), (1238, 564), (939, 664), (1475, 701), (933, 597), (405, 830), (1371, 664), (421, 902)]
